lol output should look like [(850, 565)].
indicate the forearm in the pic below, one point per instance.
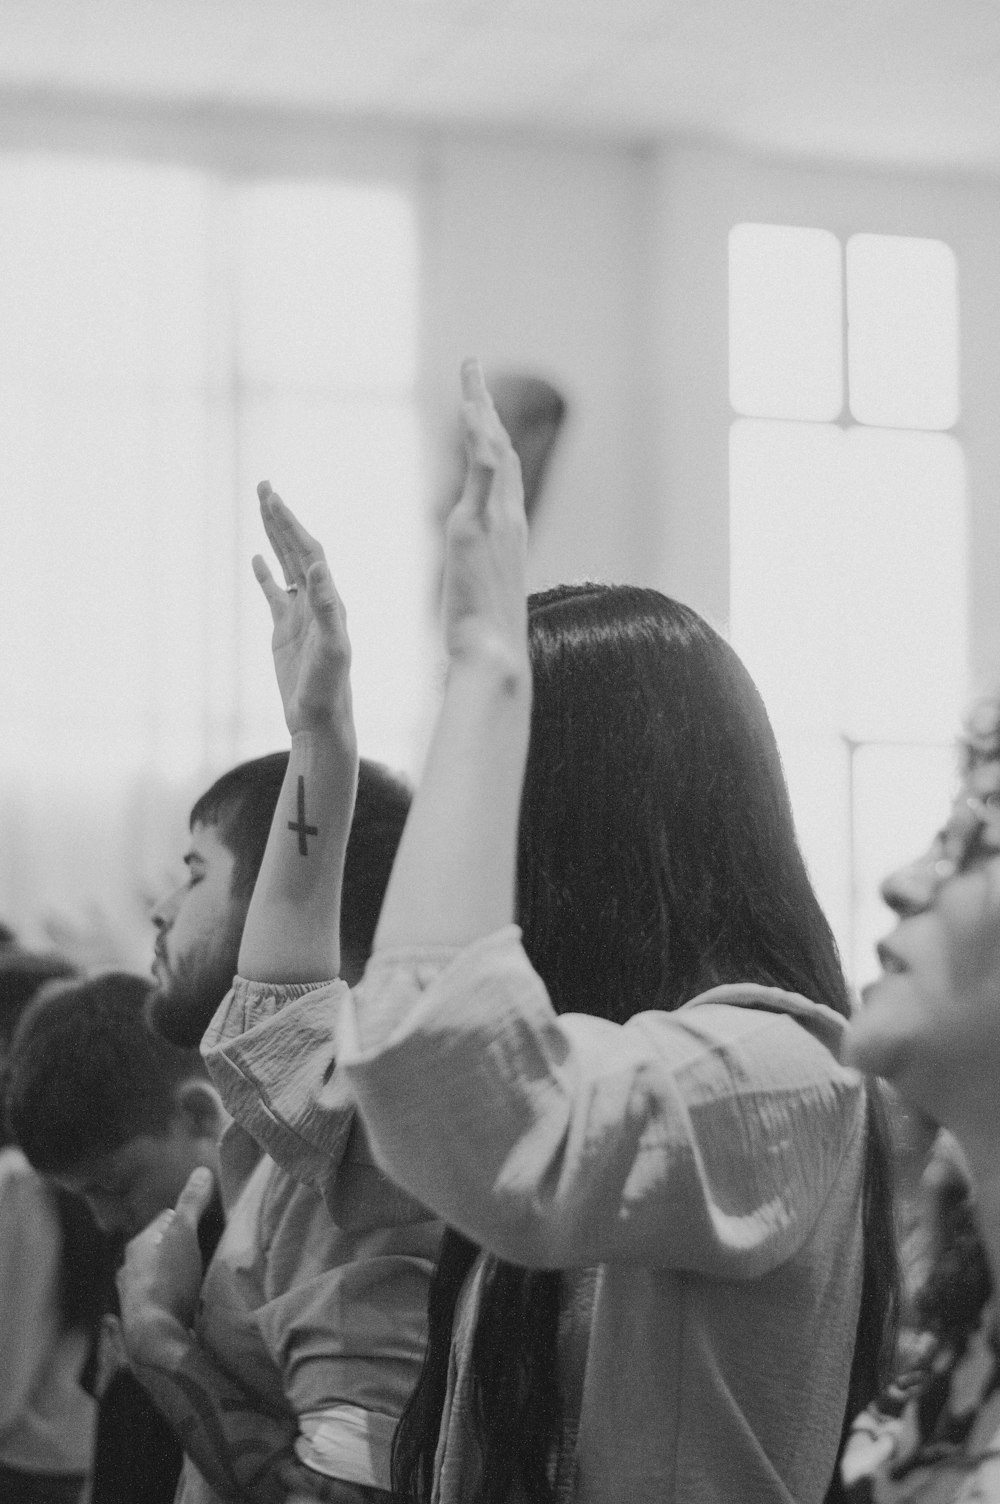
[(292, 927), (454, 875), (239, 1449)]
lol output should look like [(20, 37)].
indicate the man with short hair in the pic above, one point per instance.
[(200, 923), (110, 1112), (307, 1336), (105, 1107)]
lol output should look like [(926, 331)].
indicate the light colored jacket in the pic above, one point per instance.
[(710, 1160)]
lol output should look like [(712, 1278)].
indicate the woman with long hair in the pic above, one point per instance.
[(931, 1024), (671, 1269)]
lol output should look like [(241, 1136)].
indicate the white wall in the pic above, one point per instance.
[(534, 257)]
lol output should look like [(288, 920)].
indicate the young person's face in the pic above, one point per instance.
[(931, 1023), (130, 1186), (199, 926)]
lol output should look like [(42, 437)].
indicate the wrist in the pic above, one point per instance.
[(156, 1338), (494, 662), (323, 738)]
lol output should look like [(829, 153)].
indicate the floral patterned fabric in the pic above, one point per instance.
[(933, 1436)]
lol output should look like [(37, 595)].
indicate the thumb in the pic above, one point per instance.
[(196, 1195)]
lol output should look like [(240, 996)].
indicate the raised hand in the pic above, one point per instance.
[(312, 652), (486, 539)]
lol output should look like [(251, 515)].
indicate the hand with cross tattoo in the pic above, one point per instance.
[(312, 652), (291, 932)]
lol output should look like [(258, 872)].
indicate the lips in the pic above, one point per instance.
[(892, 963)]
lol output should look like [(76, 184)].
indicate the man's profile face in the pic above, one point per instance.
[(199, 926)]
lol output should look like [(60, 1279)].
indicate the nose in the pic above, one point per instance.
[(911, 889), (165, 911)]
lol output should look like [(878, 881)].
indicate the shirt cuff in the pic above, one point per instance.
[(347, 1442), (249, 1003), (270, 1052), (394, 981)]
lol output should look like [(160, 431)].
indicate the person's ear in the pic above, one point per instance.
[(201, 1109)]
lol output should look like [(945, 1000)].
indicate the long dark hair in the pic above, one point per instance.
[(657, 858)]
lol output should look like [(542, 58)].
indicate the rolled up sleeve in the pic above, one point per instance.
[(705, 1139)]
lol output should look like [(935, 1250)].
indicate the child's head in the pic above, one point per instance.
[(103, 1106)]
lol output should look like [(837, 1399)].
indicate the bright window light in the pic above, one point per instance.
[(105, 279), (902, 312), (170, 338), (900, 795), (854, 543), (785, 322), (901, 581), (327, 276), (849, 609), (786, 519)]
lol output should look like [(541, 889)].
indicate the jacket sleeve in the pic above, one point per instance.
[(707, 1139), (270, 1050)]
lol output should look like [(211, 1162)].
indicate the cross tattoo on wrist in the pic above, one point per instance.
[(299, 825)]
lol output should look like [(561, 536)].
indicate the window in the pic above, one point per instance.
[(170, 336), (848, 541)]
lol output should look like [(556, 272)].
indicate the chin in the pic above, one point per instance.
[(880, 1039), (180, 1020)]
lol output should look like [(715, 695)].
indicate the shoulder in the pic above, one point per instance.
[(745, 1041), (19, 1184), (28, 1218)]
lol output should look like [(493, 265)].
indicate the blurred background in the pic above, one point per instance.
[(754, 245)]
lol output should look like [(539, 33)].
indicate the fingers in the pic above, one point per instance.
[(485, 436), (322, 592), (488, 447), (294, 547), (266, 498), (275, 596), (196, 1195)]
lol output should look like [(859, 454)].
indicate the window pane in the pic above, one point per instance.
[(327, 275), (902, 311), (903, 586), (133, 462), (849, 609), (851, 545), (785, 322), (104, 278), (786, 507), (901, 796)]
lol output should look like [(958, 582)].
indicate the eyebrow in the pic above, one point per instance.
[(190, 857)]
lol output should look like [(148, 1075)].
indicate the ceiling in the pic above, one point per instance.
[(903, 81)]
